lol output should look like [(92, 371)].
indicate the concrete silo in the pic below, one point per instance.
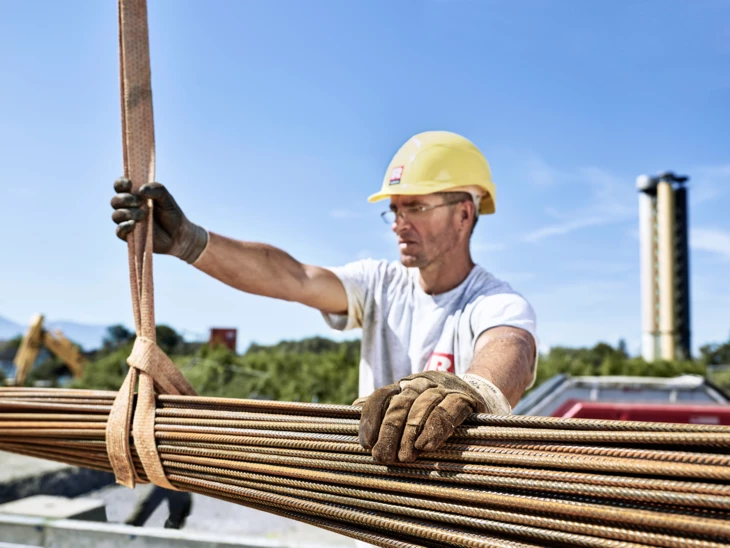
[(664, 267)]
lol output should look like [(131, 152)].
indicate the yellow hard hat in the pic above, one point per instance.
[(439, 161)]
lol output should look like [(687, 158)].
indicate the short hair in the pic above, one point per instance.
[(462, 196)]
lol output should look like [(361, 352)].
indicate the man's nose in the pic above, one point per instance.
[(400, 223)]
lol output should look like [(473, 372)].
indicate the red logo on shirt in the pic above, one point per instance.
[(440, 362)]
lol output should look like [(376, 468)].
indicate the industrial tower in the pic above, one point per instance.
[(664, 267)]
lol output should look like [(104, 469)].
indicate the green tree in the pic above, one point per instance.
[(325, 371), (311, 370), (603, 359), (107, 371), (210, 370), (12, 344), (51, 370), (716, 354), (116, 336), (169, 340), (622, 348)]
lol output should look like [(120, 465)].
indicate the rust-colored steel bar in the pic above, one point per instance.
[(609, 514), (500, 481), (191, 414), (528, 421), (390, 541), (532, 520), (676, 437), (494, 527), (592, 450), (15, 417), (411, 527), (230, 404), (662, 491)]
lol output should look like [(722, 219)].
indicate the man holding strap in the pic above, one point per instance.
[(441, 336)]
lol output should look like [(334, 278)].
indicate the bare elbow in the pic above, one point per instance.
[(506, 355), (318, 288), (296, 289), (526, 354)]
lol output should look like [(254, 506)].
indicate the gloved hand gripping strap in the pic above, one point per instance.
[(148, 364)]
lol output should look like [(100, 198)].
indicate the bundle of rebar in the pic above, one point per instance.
[(498, 481)]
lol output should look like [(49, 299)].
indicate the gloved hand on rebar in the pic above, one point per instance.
[(419, 413), (173, 233)]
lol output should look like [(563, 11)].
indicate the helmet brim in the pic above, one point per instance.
[(486, 205)]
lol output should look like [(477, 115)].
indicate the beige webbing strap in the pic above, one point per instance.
[(148, 365)]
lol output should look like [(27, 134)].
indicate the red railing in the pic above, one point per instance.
[(646, 412)]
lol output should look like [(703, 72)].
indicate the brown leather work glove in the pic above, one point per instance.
[(417, 414), (173, 233)]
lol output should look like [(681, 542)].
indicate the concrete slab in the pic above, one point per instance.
[(38, 532), (22, 530), (54, 507)]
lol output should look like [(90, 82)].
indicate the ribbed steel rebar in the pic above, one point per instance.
[(499, 481)]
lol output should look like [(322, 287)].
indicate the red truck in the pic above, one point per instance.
[(683, 399)]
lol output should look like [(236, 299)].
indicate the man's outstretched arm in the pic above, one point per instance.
[(265, 270), (251, 267)]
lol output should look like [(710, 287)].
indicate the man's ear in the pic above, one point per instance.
[(465, 211)]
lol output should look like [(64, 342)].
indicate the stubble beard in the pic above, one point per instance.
[(438, 251), (413, 261)]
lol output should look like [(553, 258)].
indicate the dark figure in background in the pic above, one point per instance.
[(179, 503)]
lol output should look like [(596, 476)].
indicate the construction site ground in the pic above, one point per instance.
[(211, 515), (25, 476)]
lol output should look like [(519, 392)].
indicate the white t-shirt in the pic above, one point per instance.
[(406, 331)]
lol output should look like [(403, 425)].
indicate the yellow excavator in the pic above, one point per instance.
[(55, 342)]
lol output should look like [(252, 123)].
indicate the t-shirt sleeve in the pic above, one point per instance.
[(359, 279), (503, 309), (509, 309)]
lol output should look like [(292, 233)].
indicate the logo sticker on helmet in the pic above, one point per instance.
[(395, 175)]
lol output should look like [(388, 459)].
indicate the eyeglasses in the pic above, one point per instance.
[(412, 212)]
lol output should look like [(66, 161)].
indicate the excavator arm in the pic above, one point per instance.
[(56, 343), (66, 352)]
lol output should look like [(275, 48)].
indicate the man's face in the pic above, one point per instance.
[(427, 232)]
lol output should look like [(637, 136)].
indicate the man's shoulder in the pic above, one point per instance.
[(494, 301), (489, 291), (485, 283), (378, 265), (394, 274), (372, 271)]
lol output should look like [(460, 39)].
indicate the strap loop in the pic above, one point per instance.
[(148, 364)]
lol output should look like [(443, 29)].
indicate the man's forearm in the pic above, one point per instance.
[(255, 268), (265, 270), (505, 356)]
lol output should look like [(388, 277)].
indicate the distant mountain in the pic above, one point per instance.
[(9, 330), (90, 337)]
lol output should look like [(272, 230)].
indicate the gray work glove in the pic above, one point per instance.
[(173, 233), (418, 413)]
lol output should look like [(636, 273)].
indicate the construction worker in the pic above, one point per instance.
[(151, 496), (441, 336)]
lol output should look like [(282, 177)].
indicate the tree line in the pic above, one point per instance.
[(320, 370)]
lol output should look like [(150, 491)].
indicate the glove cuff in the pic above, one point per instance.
[(496, 402), (194, 243)]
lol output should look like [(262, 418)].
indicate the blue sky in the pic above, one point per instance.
[(276, 119)]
